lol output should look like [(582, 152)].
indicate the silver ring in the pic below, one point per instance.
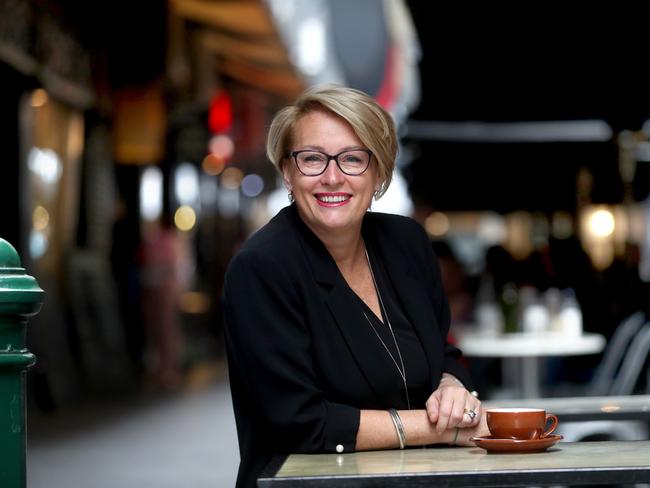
[(471, 413)]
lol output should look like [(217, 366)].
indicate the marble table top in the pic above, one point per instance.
[(566, 462)]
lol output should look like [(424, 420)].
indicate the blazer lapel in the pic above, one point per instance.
[(364, 345), (348, 315)]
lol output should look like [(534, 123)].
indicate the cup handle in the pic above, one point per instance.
[(549, 431)]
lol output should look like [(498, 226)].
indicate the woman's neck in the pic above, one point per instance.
[(347, 253), (347, 248)]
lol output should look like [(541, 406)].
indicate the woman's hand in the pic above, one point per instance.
[(451, 406), (465, 435)]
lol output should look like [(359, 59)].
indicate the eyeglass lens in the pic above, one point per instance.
[(315, 162)]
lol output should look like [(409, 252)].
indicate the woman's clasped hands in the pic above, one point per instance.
[(454, 409)]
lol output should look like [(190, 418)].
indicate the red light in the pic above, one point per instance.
[(220, 113)]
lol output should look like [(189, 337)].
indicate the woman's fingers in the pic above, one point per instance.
[(451, 410), (460, 412), (472, 415), (433, 408), (451, 407), (445, 415)]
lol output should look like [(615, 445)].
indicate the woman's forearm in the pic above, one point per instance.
[(377, 430)]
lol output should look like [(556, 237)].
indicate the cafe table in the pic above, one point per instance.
[(565, 463), (523, 350)]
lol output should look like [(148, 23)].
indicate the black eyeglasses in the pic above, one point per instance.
[(353, 162)]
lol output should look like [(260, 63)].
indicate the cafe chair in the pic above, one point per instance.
[(606, 372), (628, 348), (633, 363)]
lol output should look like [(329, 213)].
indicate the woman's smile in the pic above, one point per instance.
[(332, 199)]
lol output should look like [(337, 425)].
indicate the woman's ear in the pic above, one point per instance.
[(378, 184), (286, 177)]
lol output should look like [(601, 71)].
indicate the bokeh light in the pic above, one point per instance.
[(40, 218), (491, 229), (194, 302), (222, 146), (46, 164), (231, 178), (38, 244), (151, 188), (39, 98), (185, 218), (186, 184), (252, 185), (601, 223), (213, 165), (437, 224)]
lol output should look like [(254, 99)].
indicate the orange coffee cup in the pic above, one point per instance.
[(520, 423)]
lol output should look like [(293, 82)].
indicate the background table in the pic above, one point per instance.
[(581, 409), (593, 417), (525, 349), (565, 463)]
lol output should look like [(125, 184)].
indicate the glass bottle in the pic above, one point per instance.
[(510, 307)]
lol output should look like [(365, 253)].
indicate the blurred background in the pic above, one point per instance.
[(133, 147)]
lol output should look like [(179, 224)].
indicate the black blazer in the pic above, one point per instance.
[(302, 360)]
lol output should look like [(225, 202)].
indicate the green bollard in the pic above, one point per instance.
[(20, 298)]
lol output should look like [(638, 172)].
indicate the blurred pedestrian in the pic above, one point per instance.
[(455, 282), (165, 265)]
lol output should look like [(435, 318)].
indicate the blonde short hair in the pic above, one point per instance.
[(370, 122)]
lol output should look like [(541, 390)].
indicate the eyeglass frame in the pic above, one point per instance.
[(331, 157)]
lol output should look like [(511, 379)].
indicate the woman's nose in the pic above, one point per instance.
[(333, 174)]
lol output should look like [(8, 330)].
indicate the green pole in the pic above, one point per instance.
[(20, 298)]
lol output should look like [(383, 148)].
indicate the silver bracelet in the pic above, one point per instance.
[(399, 428)]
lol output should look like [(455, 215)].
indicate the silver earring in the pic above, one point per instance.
[(290, 196)]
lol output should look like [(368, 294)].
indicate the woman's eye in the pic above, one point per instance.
[(313, 158), (351, 158)]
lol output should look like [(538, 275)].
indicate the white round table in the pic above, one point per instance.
[(526, 349)]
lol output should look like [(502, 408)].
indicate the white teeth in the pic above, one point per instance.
[(332, 199)]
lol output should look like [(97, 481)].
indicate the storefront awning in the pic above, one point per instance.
[(241, 39)]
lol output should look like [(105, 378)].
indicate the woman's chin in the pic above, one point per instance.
[(334, 223)]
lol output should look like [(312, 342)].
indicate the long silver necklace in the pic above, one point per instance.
[(401, 370)]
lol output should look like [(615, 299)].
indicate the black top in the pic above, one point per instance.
[(410, 348), (300, 366)]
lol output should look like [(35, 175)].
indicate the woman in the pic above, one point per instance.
[(335, 317)]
